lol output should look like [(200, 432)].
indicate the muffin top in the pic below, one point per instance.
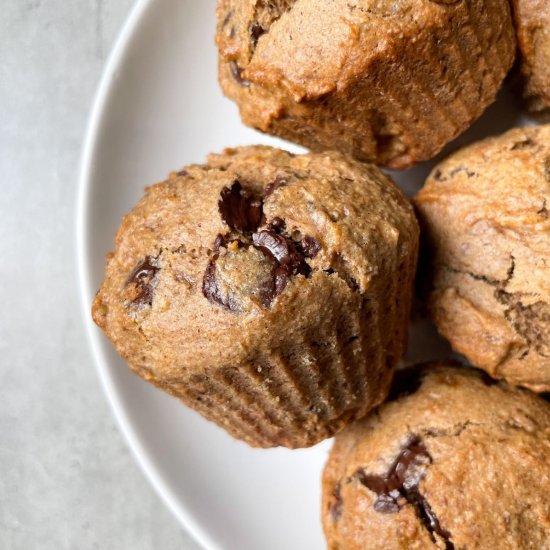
[(312, 47), (453, 460), (485, 215), (330, 75), (238, 253)]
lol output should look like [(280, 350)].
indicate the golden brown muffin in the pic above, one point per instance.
[(532, 20), (383, 80), (462, 462), (484, 213), (270, 292)]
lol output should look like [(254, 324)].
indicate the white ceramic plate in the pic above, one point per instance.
[(158, 108)]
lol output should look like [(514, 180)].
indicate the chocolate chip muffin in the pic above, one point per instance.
[(383, 80), (270, 292), (461, 462), (532, 20), (484, 212)]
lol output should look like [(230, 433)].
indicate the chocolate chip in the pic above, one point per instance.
[(391, 486), (244, 214), (270, 188), (182, 173), (140, 281), (310, 246), (288, 260), (237, 73), (275, 244), (284, 250), (337, 505), (238, 208), (429, 518), (210, 288), (255, 30), (400, 485)]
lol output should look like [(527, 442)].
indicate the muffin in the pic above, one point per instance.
[(270, 292), (382, 80), (532, 20), (461, 462), (484, 214)]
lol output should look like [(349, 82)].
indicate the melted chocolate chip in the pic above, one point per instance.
[(391, 486), (270, 188), (337, 506), (141, 280), (310, 246), (255, 30), (286, 257), (400, 485), (239, 210), (237, 73), (284, 250)]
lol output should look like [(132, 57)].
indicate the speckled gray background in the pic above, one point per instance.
[(67, 480)]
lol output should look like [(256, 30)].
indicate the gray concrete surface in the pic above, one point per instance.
[(67, 480)]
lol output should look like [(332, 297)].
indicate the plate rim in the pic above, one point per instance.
[(85, 287)]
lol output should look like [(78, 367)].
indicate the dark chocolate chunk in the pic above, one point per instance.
[(270, 188), (210, 288), (238, 208), (310, 246), (287, 260), (237, 73), (428, 517), (284, 250), (400, 485), (182, 173), (255, 30), (141, 278), (390, 486)]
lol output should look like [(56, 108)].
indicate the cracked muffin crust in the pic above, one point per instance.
[(268, 291), (532, 21), (457, 461), (385, 81), (484, 214)]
